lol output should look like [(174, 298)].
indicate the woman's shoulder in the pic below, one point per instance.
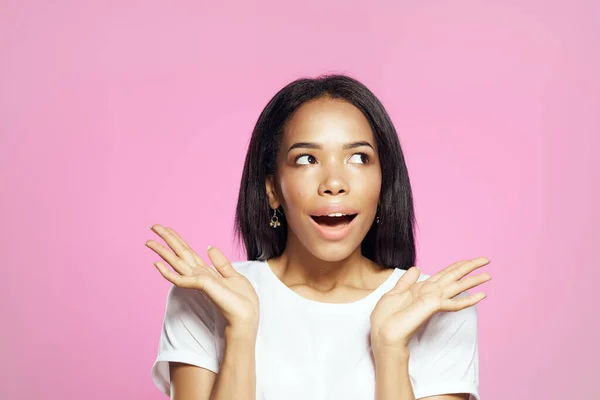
[(248, 268), (253, 270)]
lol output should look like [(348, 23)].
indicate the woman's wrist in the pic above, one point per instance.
[(385, 354), (384, 348), (241, 333)]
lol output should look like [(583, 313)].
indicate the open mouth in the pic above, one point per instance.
[(333, 222)]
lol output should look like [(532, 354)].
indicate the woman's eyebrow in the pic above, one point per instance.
[(313, 145)]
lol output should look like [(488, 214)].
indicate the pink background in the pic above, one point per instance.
[(115, 115)]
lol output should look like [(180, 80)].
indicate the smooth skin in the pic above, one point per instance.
[(328, 155)]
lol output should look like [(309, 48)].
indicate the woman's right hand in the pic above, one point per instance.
[(231, 292)]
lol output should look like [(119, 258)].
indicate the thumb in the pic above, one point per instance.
[(221, 263), (407, 279)]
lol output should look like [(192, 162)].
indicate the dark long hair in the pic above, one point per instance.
[(389, 243)]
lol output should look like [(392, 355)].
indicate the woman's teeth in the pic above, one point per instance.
[(334, 219)]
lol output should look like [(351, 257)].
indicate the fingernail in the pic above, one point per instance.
[(208, 248)]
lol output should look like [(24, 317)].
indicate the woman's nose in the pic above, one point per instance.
[(333, 185)]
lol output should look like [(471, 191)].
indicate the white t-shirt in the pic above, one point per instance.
[(309, 350)]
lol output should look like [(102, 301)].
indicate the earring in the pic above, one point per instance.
[(274, 220), (377, 219)]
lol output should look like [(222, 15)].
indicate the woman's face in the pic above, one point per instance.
[(328, 163)]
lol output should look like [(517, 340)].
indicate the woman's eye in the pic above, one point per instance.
[(306, 157), (364, 158)]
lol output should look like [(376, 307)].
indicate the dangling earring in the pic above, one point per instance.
[(377, 219), (274, 220)]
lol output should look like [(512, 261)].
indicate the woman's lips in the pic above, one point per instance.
[(334, 232)]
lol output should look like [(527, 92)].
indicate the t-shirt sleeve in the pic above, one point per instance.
[(188, 335), (447, 355)]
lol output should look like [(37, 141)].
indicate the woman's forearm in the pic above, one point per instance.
[(392, 381), (237, 376)]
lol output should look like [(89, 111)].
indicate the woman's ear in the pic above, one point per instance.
[(272, 191)]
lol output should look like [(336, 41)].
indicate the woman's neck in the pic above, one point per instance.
[(297, 266)]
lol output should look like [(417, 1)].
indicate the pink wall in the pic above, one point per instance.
[(115, 115)]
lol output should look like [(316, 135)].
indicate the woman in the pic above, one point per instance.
[(326, 214)]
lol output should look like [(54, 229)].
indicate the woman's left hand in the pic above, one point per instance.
[(401, 311)]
